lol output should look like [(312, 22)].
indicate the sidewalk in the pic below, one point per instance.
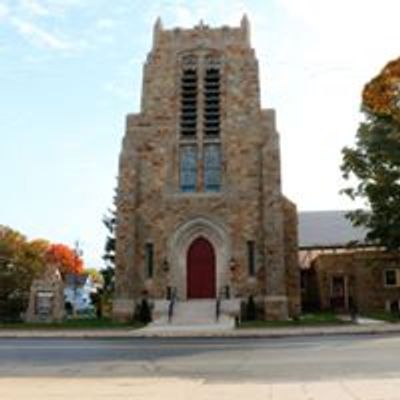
[(180, 389), (199, 331)]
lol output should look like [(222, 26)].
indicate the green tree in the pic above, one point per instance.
[(103, 300), (374, 162), (21, 261), (95, 275), (110, 222)]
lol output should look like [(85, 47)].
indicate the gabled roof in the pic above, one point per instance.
[(327, 229), (75, 279)]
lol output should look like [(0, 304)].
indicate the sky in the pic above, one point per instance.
[(70, 71)]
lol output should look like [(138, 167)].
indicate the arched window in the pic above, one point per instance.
[(212, 167), (188, 168), (200, 144)]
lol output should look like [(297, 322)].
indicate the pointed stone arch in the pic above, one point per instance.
[(178, 246)]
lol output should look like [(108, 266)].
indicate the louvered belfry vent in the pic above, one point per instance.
[(212, 99), (188, 120)]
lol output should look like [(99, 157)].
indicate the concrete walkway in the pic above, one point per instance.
[(204, 331), (180, 389)]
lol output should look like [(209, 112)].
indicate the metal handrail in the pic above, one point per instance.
[(171, 305), (217, 308)]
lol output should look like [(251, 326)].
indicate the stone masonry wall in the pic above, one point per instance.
[(249, 206), (292, 257), (364, 273)]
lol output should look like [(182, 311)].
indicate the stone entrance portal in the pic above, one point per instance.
[(215, 243), (200, 270)]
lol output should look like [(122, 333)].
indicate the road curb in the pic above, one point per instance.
[(272, 333)]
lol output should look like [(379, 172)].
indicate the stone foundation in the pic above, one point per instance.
[(276, 308)]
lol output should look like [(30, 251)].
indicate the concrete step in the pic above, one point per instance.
[(194, 312), (191, 316)]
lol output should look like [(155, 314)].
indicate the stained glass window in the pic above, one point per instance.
[(212, 167), (188, 168)]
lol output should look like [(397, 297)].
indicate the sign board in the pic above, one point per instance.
[(44, 303)]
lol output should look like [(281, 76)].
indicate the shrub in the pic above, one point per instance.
[(251, 310), (144, 312)]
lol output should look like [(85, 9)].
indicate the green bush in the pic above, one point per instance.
[(251, 309), (11, 309), (144, 312)]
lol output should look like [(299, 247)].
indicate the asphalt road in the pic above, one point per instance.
[(211, 359)]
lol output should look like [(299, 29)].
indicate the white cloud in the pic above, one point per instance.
[(186, 14), (47, 8), (62, 4), (40, 36), (356, 28), (45, 23), (335, 13), (105, 23), (4, 10), (35, 7), (328, 52)]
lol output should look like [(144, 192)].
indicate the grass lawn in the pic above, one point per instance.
[(104, 323), (314, 319), (383, 316)]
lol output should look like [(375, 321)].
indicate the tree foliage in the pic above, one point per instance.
[(374, 161), (381, 95), (110, 222), (66, 259), (21, 261), (95, 275)]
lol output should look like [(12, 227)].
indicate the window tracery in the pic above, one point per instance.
[(200, 97)]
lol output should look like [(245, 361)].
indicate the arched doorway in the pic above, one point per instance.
[(201, 270)]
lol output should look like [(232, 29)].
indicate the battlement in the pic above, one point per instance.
[(201, 35)]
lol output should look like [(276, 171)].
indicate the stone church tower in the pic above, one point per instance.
[(200, 210)]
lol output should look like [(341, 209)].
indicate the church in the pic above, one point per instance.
[(200, 211)]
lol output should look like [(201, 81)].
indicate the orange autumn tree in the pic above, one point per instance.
[(381, 95), (65, 259), (373, 163)]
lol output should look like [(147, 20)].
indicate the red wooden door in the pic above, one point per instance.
[(201, 270)]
